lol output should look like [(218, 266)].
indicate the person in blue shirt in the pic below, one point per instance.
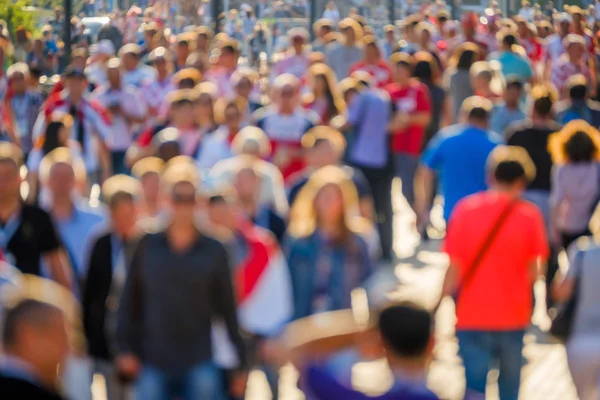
[(458, 154), (509, 110), (512, 63)]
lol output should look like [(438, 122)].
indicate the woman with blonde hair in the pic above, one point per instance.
[(575, 151), (324, 98), (327, 252)]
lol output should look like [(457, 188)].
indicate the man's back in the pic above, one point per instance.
[(15, 388), (498, 296), (459, 153)]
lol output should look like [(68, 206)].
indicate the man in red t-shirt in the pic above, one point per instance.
[(373, 63), (494, 295), (412, 105)]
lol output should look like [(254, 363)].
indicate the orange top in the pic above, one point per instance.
[(499, 294)]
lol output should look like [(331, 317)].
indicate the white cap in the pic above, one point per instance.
[(563, 17), (105, 47)]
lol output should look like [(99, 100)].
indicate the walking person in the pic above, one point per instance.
[(166, 314), (495, 241)]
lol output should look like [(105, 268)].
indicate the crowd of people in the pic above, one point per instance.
[(180, 207)]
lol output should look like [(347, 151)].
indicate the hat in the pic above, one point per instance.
[(105, 47), (563, 18), (9, 151), (350, 23), (180, 169), (180, 96), (160, 53), (130, 48), (576, 80), (205, 31), (186, 37), (389, 28), (147, 165), (575, 10), (72, 72), (187, 73), (573, 38), (62, 155), (119, 183)]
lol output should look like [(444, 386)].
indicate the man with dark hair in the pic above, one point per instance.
[(35, 343), (495, 242), (28, 233), (578, 105), (509, 110), (403, 334), (458, 155)]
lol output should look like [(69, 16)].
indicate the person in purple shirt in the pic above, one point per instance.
[(406, 341), (369, 113)]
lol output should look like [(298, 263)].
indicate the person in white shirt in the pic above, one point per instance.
[(527, 11), (127, 111), (103, 51), (134, 72), (331, 12), (295, 61), (155, 91)]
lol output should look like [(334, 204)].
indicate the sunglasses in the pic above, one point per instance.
[(183, 198)]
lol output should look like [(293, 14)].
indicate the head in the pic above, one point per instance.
[(204, 106), (113, 73), (36, 333), (513, 92), (481, 76), (406, 332), (160, 60), (229, 113), (57, 135), (575, 46), (465, 56), (79, 58), (424, 34), (181, 110), (543, 102), (182, 50), (229, 55), (61, 180), (577, 142), (123, 213), (372, 52), (476, 111), (18, 77), (130, 56), (402, 65), (75, 83), (323, 146), (286, 93), (425, 68), (148, 171), (248, 184), (298, 37), (510, 169), (508, 41), (564, 25), (351, 30)]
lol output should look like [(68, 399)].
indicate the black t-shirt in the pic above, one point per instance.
[(534, 139), (34, 237)]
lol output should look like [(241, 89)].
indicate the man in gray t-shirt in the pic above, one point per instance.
[(342, 56)]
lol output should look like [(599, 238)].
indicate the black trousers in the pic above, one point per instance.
[(380, 180)]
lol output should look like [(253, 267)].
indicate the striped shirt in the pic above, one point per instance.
[(563, 69)]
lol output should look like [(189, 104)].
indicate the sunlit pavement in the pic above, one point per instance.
[(418, 277)]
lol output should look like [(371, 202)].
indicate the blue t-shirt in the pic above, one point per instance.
[(459, 154), (513, 64)]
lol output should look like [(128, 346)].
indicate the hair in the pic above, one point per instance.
[(223, 104), (578, 92), (543, 100), (320, 134), (509, 164), (334, 97), (425, 67), (119, 198), (576, 142), (51, 138), (465, 56), (303, 215), (406, 329), (27, 312)]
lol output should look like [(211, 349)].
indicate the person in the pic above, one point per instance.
[(134, 72), (457, 78), (111, 251), (509, 110), (147, 171), (494, 310), (216, 146), (573, 62), (389, 43), (575, 187), (373, 63), (186, 365), (183, 49), (126, 110), (285, 122), (22, 44), (533, 135), (512, 63), (322, 28), (460, 176), (90, 126), (35, 343), (247, 185), (39, 58), (25, 105), (324, 98), (21, 245), (327, 253), (95, 72), (407, 348), (530, 40), (295, 61), (220, 74), (75, 221), (155, 91), (110, 31), (331, 12), (412, 104), (578, 105), (485, 80), (368, 115), (341, 57), (582, 358), (526, 12), (251, 246)]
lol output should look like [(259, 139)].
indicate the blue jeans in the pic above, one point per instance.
[(484, 350), (203, 381)]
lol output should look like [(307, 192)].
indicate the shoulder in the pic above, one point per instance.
[(18, 388)]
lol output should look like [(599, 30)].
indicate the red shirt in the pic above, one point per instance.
[(410, 99), (499, 294), (381, 72)]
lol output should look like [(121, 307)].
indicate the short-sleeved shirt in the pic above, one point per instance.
[(411, 99), (35, 237), (498, 295), (381, 71), (459, 154), (513, 64)]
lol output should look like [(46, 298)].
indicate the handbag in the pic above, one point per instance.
[(562, 323), (485, 246)]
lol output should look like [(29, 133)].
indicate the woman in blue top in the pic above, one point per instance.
[(327, 254)]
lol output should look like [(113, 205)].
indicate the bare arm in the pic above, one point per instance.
[(58, 263), (424, 189)]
